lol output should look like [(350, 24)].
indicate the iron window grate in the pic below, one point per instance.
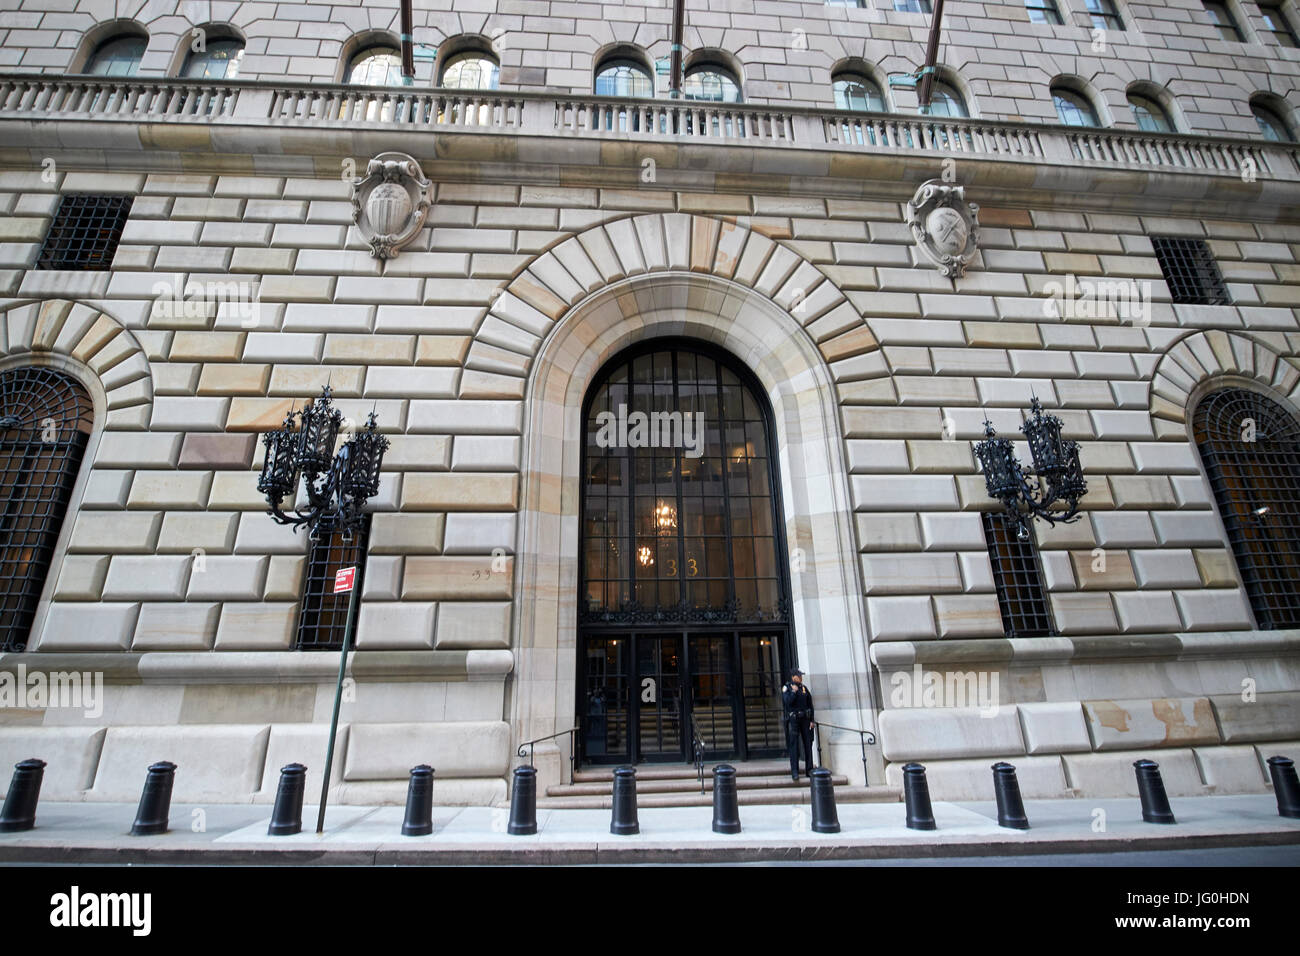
[(85, 232), (1251, 449), (1018, 580), (45, 422), (1190, 271), (323, 616)]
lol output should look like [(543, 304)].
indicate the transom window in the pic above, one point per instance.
[(218, 61), (1271, 126), (45, 423), (1104, 16), (853, 91), (1221, 16), (1043, 11), (471, 70), (375, 66), (1250, 446), (1149, 114), (1073, 108), (1279, 24), (626, 78), (118, 56), (712, 83)]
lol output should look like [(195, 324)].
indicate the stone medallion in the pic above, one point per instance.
[(390, 203), (944, 225)]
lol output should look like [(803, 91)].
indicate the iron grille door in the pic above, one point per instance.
[(1251, 450), (1018, 580), (323, 616), (45, 422), (85, 232)]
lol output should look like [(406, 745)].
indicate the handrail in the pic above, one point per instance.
[(697, 748), (50, 96), (865, 737), (573, 753)]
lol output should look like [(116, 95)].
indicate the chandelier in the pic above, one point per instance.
[(337, 485), (1058, 474), (665, 518)]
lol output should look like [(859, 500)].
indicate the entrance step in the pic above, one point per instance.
[(677, 771), (775, 796)]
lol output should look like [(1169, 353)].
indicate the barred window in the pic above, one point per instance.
[(323, 616), (85, 232), (45, 422), (1190, 271), (1250, 446), (1018, 579)]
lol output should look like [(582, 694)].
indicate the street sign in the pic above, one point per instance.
[(343, 579)]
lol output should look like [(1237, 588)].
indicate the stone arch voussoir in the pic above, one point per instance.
[(1200, 356)]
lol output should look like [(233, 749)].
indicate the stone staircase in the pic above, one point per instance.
[(758, 782)]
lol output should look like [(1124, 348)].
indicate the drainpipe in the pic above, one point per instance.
[(408, 45), (931, 58), (675, 67)]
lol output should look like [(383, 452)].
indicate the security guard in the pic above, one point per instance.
[(798, 704)]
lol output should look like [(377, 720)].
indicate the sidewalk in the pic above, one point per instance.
[(99, 833)]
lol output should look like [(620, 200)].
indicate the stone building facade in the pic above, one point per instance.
[(567, 227)]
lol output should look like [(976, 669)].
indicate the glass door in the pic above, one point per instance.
[(761, 680), (712, 703), (659, 697), (605, 688)]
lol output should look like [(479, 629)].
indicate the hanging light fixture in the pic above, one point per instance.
[(665, 518), (1057, 472)]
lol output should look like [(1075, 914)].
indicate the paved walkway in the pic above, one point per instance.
[(99, 833)]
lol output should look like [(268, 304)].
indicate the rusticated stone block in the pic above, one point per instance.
[(217, 451), (1162, 722), (453, 578)]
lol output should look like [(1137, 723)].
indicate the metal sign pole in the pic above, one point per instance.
[(338, 700)]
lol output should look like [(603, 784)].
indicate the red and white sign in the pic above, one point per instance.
[(343, 579)]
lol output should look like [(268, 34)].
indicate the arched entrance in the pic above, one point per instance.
[(683, 602)]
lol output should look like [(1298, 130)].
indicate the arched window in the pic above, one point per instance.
[(624, 77), (218, 60), (1270, 124), (709, 81), (683, 581), (1073, 108), (1250, 446), (45, 422), (1150, 115), (853, 91), (946, 101), (117, 56), (470, 70), (375, 66)]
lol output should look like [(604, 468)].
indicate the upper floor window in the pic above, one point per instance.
[(375, 66), (471, 70), (118, 56), (1150, 115), (624, 77), (218, 60), (912, 6), (1104, 16), (1043, 11), (1223, 19), (946, 101), (85, 232), (710, 82), (1271, 125), (853, 91), (846, 3), (45, 423), (1190, 271), (1073, 108), (1279, 24), (1256, 484)]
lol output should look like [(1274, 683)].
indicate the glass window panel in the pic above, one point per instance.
[(710, 83), (625, 78), (1149, 115), (946, 101), (470, 71), (856, 92), (119, 56), (219, 61), (1270, 124), (1073, 109), (376, 66)]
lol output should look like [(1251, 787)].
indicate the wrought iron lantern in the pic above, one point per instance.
[(337, 485), (1057, 472)]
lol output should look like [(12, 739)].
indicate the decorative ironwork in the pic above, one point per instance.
[(1058, 473), (85, 232), (1017, 579), (1190, 271), (337, 485), (632, 613), (1251, 449), (45, 423)]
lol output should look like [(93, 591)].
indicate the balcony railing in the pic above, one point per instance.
[(497, 112)]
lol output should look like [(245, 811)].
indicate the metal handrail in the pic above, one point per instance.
[(865, 737), (697, 747), (573, 750)]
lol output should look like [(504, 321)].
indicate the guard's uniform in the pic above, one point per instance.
[(798, 703)]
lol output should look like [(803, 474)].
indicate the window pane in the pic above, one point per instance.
[(220, 61), (470, 71), (624, 78), (119, 56), (377, 66), (1150, 117), (710, 83), (945, 101), (1073, 109), (854, 92)]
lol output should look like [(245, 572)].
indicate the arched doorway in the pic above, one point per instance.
[(683, 599), (1251, 449)]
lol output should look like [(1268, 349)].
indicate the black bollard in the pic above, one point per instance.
[(825, 819), (624, 821), (419, 802), (1011, 809), (286, 816), (25, 789), (523, 803), (1151, 788), (156, 800), (726, 806), (1286, 787), (916, 792)]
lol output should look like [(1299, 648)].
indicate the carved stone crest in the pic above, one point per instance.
[(945, 225), (390, 203)]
